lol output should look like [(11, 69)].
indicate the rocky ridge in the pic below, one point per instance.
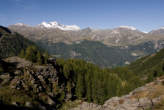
[(37, 82)]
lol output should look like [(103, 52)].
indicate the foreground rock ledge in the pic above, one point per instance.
[(140, 99)]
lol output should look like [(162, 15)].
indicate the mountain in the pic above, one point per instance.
[(11, 43), (59, 26), (117, 46), (54, 32), (98, 53), (159, 31), (53, 25), (121, 36)]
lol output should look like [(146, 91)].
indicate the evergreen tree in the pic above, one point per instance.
[(46, 56), (80, 90), (39, 58), (31, 52)]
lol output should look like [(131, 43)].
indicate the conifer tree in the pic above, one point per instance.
[(39, 58)]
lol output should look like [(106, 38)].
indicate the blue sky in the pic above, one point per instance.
[(142, 14)]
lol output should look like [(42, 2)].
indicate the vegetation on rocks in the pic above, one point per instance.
[(33, 54)]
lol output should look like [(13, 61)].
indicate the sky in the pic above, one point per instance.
[(145, 15)]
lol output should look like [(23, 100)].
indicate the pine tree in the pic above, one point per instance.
[(39, 58), (31, 52), (80, 90), (46, 56)]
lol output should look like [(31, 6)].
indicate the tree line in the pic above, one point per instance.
[(33, 54)]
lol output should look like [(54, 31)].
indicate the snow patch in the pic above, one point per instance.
[(115, 32), (145, 32), (19, 24), (162, 28), (128, 27), (59, 26)]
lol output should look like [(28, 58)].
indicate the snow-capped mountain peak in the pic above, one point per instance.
[(55, 24), (20, 24), (128, 27), (162, 28)]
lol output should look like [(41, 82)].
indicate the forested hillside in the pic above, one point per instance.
[(151, 66), (11, 43), (98, 53)]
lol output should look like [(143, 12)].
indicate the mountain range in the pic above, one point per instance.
[(55, 32), (69, 41)]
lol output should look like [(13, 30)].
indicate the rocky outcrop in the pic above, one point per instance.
[(140, 99), (35, 83)]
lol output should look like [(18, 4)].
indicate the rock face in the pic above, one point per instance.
[(140, 99), (34, 83)]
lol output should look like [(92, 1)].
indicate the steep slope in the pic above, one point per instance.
[(11, 43), (151, 66)]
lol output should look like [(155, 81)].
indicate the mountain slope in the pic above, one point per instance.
[(149, 96), (151, 66), (98, 53), (11, 43)]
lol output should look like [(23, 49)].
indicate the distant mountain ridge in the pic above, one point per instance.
[(55, 32), (72, 44)]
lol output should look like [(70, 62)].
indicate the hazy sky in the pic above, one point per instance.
[(142, 14)]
